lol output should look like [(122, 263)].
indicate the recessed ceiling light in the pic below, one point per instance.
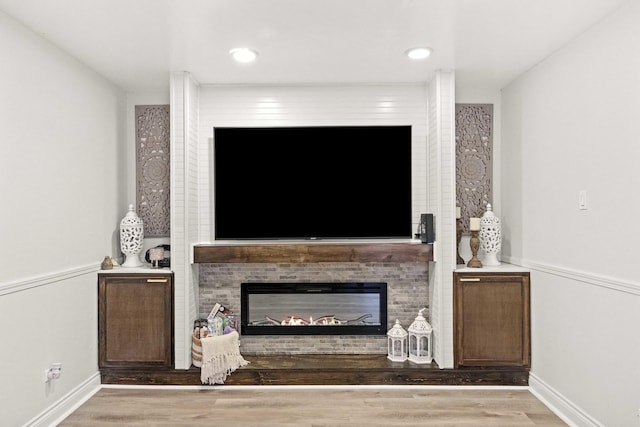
[(418, 52), (242, 54)]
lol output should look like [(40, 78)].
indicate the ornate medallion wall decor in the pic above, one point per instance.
[(474, 140), (152, 168)]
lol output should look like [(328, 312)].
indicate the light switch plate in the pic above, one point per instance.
[(582, 200)]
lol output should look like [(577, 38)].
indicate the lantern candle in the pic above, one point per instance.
[(419, 340), (397, 343)]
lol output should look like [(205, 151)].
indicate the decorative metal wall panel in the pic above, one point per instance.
[(152, 168), (474, 157)]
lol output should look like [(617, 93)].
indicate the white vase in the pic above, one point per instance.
[(131, 238), (490, 237)]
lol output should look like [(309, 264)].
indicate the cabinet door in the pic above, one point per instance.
[(491, 319), (135, 318)]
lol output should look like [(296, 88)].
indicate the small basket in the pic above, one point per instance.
[(196, 351)]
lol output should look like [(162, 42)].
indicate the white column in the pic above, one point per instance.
[(441, 201)]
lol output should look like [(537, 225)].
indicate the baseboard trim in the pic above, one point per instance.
[(61, 409), (560, 405)]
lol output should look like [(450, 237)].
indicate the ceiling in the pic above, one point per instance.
[(136, 43)]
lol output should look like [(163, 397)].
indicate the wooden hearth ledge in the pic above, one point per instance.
[(312, 252), (327, 369)]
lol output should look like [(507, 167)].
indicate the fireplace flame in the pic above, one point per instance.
[(330, 320), (323, 321), (294, 321)]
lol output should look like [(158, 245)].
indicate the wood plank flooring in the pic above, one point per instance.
[(313, 407)]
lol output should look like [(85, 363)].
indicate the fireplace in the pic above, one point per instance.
[(403, 267), (353, 308)]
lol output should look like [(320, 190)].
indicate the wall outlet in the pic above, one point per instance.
[(53, 373)]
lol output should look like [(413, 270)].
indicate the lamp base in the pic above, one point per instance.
[(132, 261), (459, 259), (491, 259), (474, 242), (474, 263)]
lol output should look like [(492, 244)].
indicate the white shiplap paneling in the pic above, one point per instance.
[(184, 208), (441, 190), (306, 106)]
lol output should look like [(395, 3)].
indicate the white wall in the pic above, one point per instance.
[(570, 124), (61, 188)]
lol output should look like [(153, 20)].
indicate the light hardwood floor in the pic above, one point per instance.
[(313, 407)]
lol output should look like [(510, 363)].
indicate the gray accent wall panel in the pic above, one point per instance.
[(152, 168), (474, 157)]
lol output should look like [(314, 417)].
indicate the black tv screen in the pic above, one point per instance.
[(326, 182)]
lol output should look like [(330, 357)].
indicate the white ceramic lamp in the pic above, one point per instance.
[(490, 237), (131, 238)]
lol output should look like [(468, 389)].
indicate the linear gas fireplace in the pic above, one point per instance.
[(314, 308)]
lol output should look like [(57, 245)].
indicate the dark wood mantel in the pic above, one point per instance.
[(312, 252)]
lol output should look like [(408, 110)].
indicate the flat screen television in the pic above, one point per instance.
[(322, 182)]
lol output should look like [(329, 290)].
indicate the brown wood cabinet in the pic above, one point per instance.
[(491, 319), (135, 319)]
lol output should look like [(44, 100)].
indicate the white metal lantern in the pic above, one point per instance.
[(420, 333), (397, 343), (131, 238)]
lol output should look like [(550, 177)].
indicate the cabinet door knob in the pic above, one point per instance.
[(156, 280), (470, 279)]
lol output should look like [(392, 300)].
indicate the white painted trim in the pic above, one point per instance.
[(63, 407), (560, 405), (581, 276), (47, 279), (186, 203)]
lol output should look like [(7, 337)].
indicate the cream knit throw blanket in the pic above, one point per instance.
[(220, 357)]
